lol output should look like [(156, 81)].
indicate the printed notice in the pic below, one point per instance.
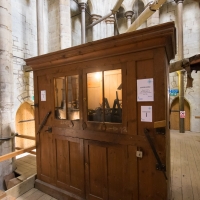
[(145, 91), (43, 95), (182, 114), (146, 113)]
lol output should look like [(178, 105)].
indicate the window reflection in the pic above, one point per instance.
[(113, 95), (105, 96), (72, 98), (94, 84), (60, 98), (66, 98)]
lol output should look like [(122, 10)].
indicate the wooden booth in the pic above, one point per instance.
[(101, 112)]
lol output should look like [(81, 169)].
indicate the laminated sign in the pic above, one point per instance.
[(145, 90), (182, 114)]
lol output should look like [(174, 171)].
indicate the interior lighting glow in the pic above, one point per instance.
[(98, 75)]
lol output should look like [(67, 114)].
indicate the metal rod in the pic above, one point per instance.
[(146, 132), (8, 138), (113, 11), (44, 122), (26, 120), (99, 20)]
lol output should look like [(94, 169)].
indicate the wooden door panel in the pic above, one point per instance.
[(44, 105), (152, 183), (144, 70), (109, 170), (46, 157), (69, 164)]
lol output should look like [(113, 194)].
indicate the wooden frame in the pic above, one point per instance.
[(96, 161)]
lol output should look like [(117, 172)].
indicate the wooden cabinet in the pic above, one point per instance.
[(92, 145)]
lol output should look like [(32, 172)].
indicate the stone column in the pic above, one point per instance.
[(180, 57), (96, 28), (6, 84), (40, 27), (82, 8), (154, 19), (65, 24), (129, 15), (110, 26)]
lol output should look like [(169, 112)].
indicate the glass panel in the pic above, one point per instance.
[(60, 98), (113, 95), (73, 97), (94, 89), (67, 88)]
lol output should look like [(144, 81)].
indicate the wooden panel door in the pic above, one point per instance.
[(111, 171), (174, 117), (69, 164), (152, 184), (45, 166)]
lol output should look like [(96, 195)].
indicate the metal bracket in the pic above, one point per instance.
[(160, 131), (35, 105), (9, 138), (159, 165), (44, 122), (161, 168)]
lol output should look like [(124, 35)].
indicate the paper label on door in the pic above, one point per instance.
[(145, 90), (43, 95), (146, 113)]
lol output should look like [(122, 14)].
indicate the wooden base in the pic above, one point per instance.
[(55, 191)]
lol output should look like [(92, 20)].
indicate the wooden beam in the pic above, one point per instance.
[(26, 137), (32, 152), (18, 152), (159, 124), (197, 117)]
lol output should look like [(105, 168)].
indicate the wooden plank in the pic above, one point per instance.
[(185, 172), (27, 194), (176, 168), (197, 117), (13, 154), (160, 124), (25, 186), (26, 137)]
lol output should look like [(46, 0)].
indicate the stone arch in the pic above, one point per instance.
[(174, 116), (25, 124), (138, 8), (90, 5)]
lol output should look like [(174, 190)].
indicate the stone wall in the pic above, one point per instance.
[(75, 23), (24, 34), (53, 26)]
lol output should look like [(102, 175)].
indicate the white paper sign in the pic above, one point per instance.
[(145, 91), (146, 113), (43, 95)]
